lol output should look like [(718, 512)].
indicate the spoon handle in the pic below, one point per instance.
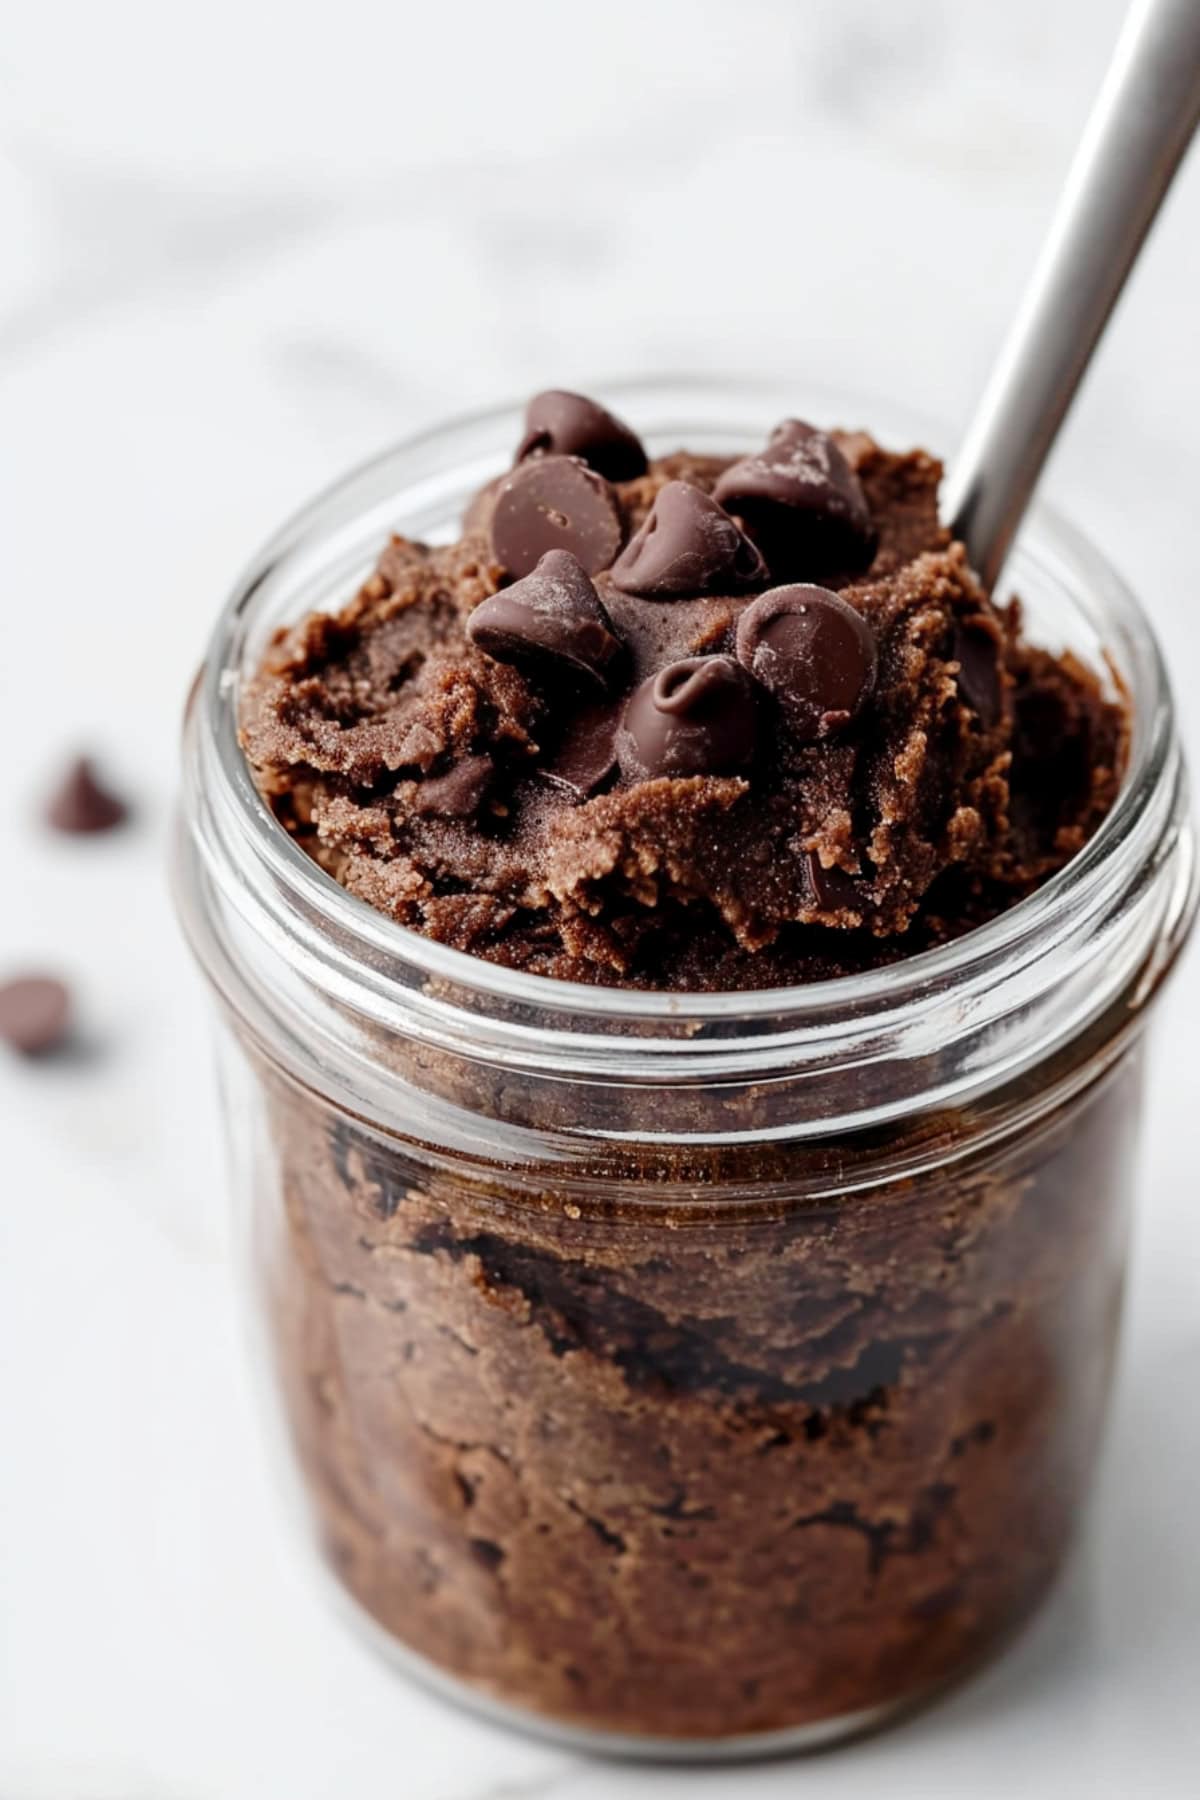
[(1135, 139)]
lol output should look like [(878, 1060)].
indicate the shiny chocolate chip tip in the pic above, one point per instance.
[(551, 623), (698, 716)]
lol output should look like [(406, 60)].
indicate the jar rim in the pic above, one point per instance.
[(395, 971)]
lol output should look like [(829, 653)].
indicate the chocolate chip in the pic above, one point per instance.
[(551, 622), (80, 804), (688, 545), (695, 717), (587, 753), (458, 793), (561, 424), (814, 652), (480, 507), (977, 653), (35, 1012), (834, 890), (803, 503), (555, 503)]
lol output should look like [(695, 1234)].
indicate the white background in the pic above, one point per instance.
[(242, 245)]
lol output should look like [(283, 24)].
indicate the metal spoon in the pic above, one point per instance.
[(1134, 140)]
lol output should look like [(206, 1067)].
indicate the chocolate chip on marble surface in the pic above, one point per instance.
[(80, 805), (558, 423), (803, 503), (814, 652), (977, 653), (555, 503), (698, 716), (550, 622), (587, 753), (35, 1014), (459, 793), (688, 545)]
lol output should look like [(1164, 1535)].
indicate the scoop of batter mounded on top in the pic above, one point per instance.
[(683, 722)]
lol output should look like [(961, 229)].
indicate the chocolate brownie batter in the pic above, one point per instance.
[(635, 1456), (712, 725), (733, 1438)]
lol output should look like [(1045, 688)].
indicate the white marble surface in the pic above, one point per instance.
[(244, 245)]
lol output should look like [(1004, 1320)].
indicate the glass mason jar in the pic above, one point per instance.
[(681, 1374)]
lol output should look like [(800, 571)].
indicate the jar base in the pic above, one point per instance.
[(620, 1746)]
